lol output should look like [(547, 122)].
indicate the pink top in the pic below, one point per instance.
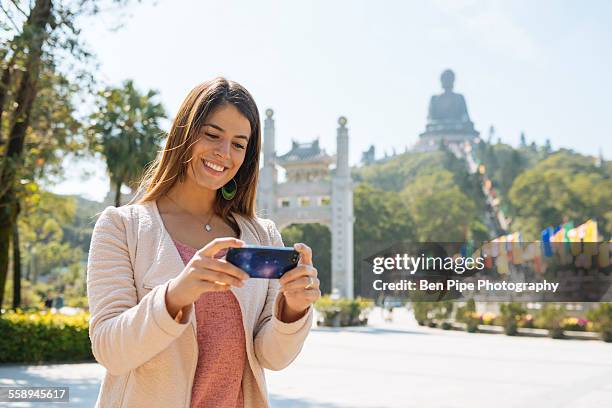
[(221, 347)]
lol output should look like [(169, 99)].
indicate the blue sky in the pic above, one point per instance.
[(539, 67)]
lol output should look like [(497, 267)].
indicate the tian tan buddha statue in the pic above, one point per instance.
[(448, 117)]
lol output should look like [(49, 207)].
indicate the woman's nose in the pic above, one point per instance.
[(223, 151)]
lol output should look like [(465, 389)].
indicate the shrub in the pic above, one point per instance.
[(550, 317), (469, 307), (574, 324), (511, 314), (423, 312), (428, 313), (472, 320), (602, 320), (31, 295), (36, 337), (344, 312), (443, 310), (80, 302), (489, 318), (527, 322)]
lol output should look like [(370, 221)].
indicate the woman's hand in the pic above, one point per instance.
[(205, 273), (300, 286)]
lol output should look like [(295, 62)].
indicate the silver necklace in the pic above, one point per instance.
[(207, 225)]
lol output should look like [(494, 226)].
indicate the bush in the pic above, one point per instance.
[(489, 318), (511, 315), (428, 313), (80, 302), (423, 312), (344, 312), (469, 307), (602, 320), (527, 322), (574, 324), (472, 320), (37, 337), (443, 310), (550, 317), (31, 295)]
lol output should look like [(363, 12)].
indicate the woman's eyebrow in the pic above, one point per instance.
[(220, 129)]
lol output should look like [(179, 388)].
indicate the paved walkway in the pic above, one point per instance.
[(400, 364)]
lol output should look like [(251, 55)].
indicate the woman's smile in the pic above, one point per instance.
[(213, 168)]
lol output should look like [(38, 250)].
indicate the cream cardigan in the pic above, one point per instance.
[(151, 358)]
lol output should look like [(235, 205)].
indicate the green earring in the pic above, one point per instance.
[(229, 193)]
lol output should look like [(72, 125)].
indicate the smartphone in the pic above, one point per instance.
[(265, 262)]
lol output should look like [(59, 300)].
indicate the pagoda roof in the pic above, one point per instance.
[(304, 152)]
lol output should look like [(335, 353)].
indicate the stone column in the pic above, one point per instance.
[(266, 193), (342, 216)]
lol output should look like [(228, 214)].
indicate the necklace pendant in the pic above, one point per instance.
[(207, 227)]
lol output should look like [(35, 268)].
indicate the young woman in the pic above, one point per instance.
[(174, 324)]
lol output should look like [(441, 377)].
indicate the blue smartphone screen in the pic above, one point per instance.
[(263, 262)]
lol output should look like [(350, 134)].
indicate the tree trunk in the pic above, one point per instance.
[(35, 26), (28, 272), (16, 265), (118, 194), (5, 239), (5, 80)]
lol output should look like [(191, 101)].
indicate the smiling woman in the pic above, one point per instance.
[(216, 130), (157, 266)]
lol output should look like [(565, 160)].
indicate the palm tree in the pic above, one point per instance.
[(125, 129)]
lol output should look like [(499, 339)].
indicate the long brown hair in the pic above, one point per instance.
[(172, 162)]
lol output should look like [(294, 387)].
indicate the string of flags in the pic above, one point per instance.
[(580, 245)]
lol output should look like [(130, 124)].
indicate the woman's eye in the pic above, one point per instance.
[(238, 146), (212, 136)]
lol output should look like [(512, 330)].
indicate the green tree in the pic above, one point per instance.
[(126, 129), (318, 238), (22, 59), (444, 216), (564, 185), (45, 249), (394, 174), (382, 219), (52, 135), (38, 37)]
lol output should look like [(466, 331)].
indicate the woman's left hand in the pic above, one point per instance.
[(300, 286)]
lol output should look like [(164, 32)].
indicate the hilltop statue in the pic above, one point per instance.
[(447, 119), (448, 107)]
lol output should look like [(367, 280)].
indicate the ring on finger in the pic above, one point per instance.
[(310, 283)]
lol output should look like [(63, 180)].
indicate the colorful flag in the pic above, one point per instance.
[(502, 264), (546, 247)]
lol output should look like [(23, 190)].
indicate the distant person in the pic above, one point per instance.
[(48, 301), (59, 301), (174, 324)]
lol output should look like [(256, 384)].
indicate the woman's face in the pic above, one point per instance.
[(220, 149)]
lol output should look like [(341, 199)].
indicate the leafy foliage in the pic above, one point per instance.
[(566, 185), (602, 316), (431, 197), (44, 248), (343, 312), (125, 128), (318, 237), (43, 66), (44, 337)]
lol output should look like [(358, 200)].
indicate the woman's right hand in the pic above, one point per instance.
[(204, 273)]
